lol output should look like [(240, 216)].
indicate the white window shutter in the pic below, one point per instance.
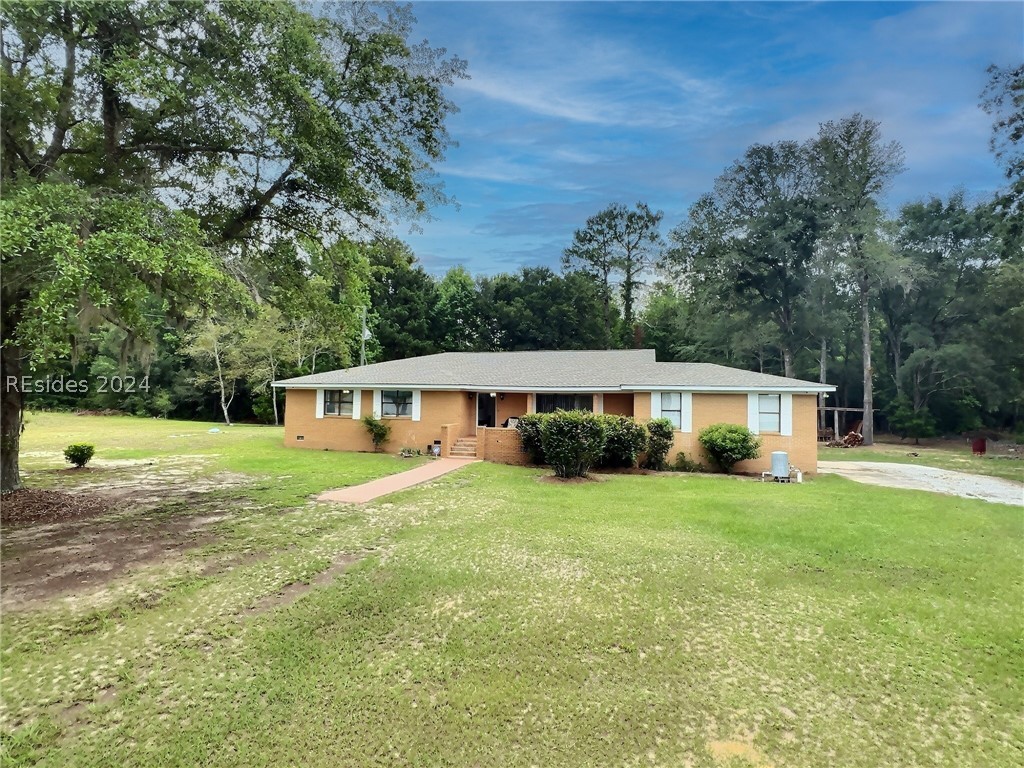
[(686, 417), (416, 404), (599, 403), (655, 405), (786, 414), (378, 409), (319, 403), (531, 403), (753, 413), (357, 403)]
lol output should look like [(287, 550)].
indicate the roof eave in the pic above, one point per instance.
[(802, 389)]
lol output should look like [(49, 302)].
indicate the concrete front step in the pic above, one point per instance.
[(463, 448)]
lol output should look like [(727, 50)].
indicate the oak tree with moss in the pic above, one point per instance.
[(154, 147)]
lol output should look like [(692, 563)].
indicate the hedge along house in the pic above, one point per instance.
[(466, 402)]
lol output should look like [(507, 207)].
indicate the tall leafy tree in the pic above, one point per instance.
[(932, 314), (216, 345), (1003, 99), (458, 311), (255, 121), (757, 236), (538, 309), (855, 166), (72, 262), (620, 244), (403, 303), (592, 253)]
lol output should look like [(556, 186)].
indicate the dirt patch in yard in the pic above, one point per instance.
[(65, 542), (74, 556), (290, 593), (727, 752)]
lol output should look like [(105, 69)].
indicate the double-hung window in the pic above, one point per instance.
[(672, 408), (549, 403), (396, 402), (338, 402), (769, 413)]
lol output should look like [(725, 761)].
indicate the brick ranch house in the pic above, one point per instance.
[(463, 401)]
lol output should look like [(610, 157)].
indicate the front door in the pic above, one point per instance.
[(485, 409)]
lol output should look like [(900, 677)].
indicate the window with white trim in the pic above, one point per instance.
[(549, 403), (672, 408), (396, 402), (338, 402), (769, 413)]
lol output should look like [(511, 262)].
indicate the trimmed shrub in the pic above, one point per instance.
[(625, 440), (529, 427), (379, 431), (683, 464), (573, 442), (79, 454), (728, 444), (660, 433)]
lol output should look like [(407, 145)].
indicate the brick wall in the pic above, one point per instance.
[(708, 409), (500, 445), (513, 405), (343, 433), (448, 415)]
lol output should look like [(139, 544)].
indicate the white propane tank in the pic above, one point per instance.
[(780, 464)]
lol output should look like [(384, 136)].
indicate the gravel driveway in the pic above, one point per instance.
[(912, 476)]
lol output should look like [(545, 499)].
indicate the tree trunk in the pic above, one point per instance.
[(11, 412), (867, 427), (787, 361), (607, 300), (221, 385), (273, 396), (822, 370)]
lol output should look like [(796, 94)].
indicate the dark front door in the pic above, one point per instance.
[(485, 409)]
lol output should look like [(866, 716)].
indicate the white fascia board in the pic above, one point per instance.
[(807, 390), (812, 390), (460, 388)]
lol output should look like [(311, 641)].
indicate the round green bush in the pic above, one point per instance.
[(729, 444), (660, 434), (573, 442), (79, 453), (625, 440)]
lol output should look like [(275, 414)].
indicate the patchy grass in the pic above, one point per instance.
[(186, 452), (490, 619), (942, 454)]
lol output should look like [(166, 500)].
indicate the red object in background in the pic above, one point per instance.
[(978, 446)]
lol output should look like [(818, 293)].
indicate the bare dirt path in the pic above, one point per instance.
[(915, 477)]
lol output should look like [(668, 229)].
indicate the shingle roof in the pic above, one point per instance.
[(598, 370)]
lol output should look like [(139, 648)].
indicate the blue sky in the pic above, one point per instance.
[(572, 106)]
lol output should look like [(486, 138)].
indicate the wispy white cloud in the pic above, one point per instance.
[(574, 105)]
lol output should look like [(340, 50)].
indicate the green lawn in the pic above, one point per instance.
[(945, 454), (495, 620)]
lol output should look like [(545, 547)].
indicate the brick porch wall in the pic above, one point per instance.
[(501, 446)]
